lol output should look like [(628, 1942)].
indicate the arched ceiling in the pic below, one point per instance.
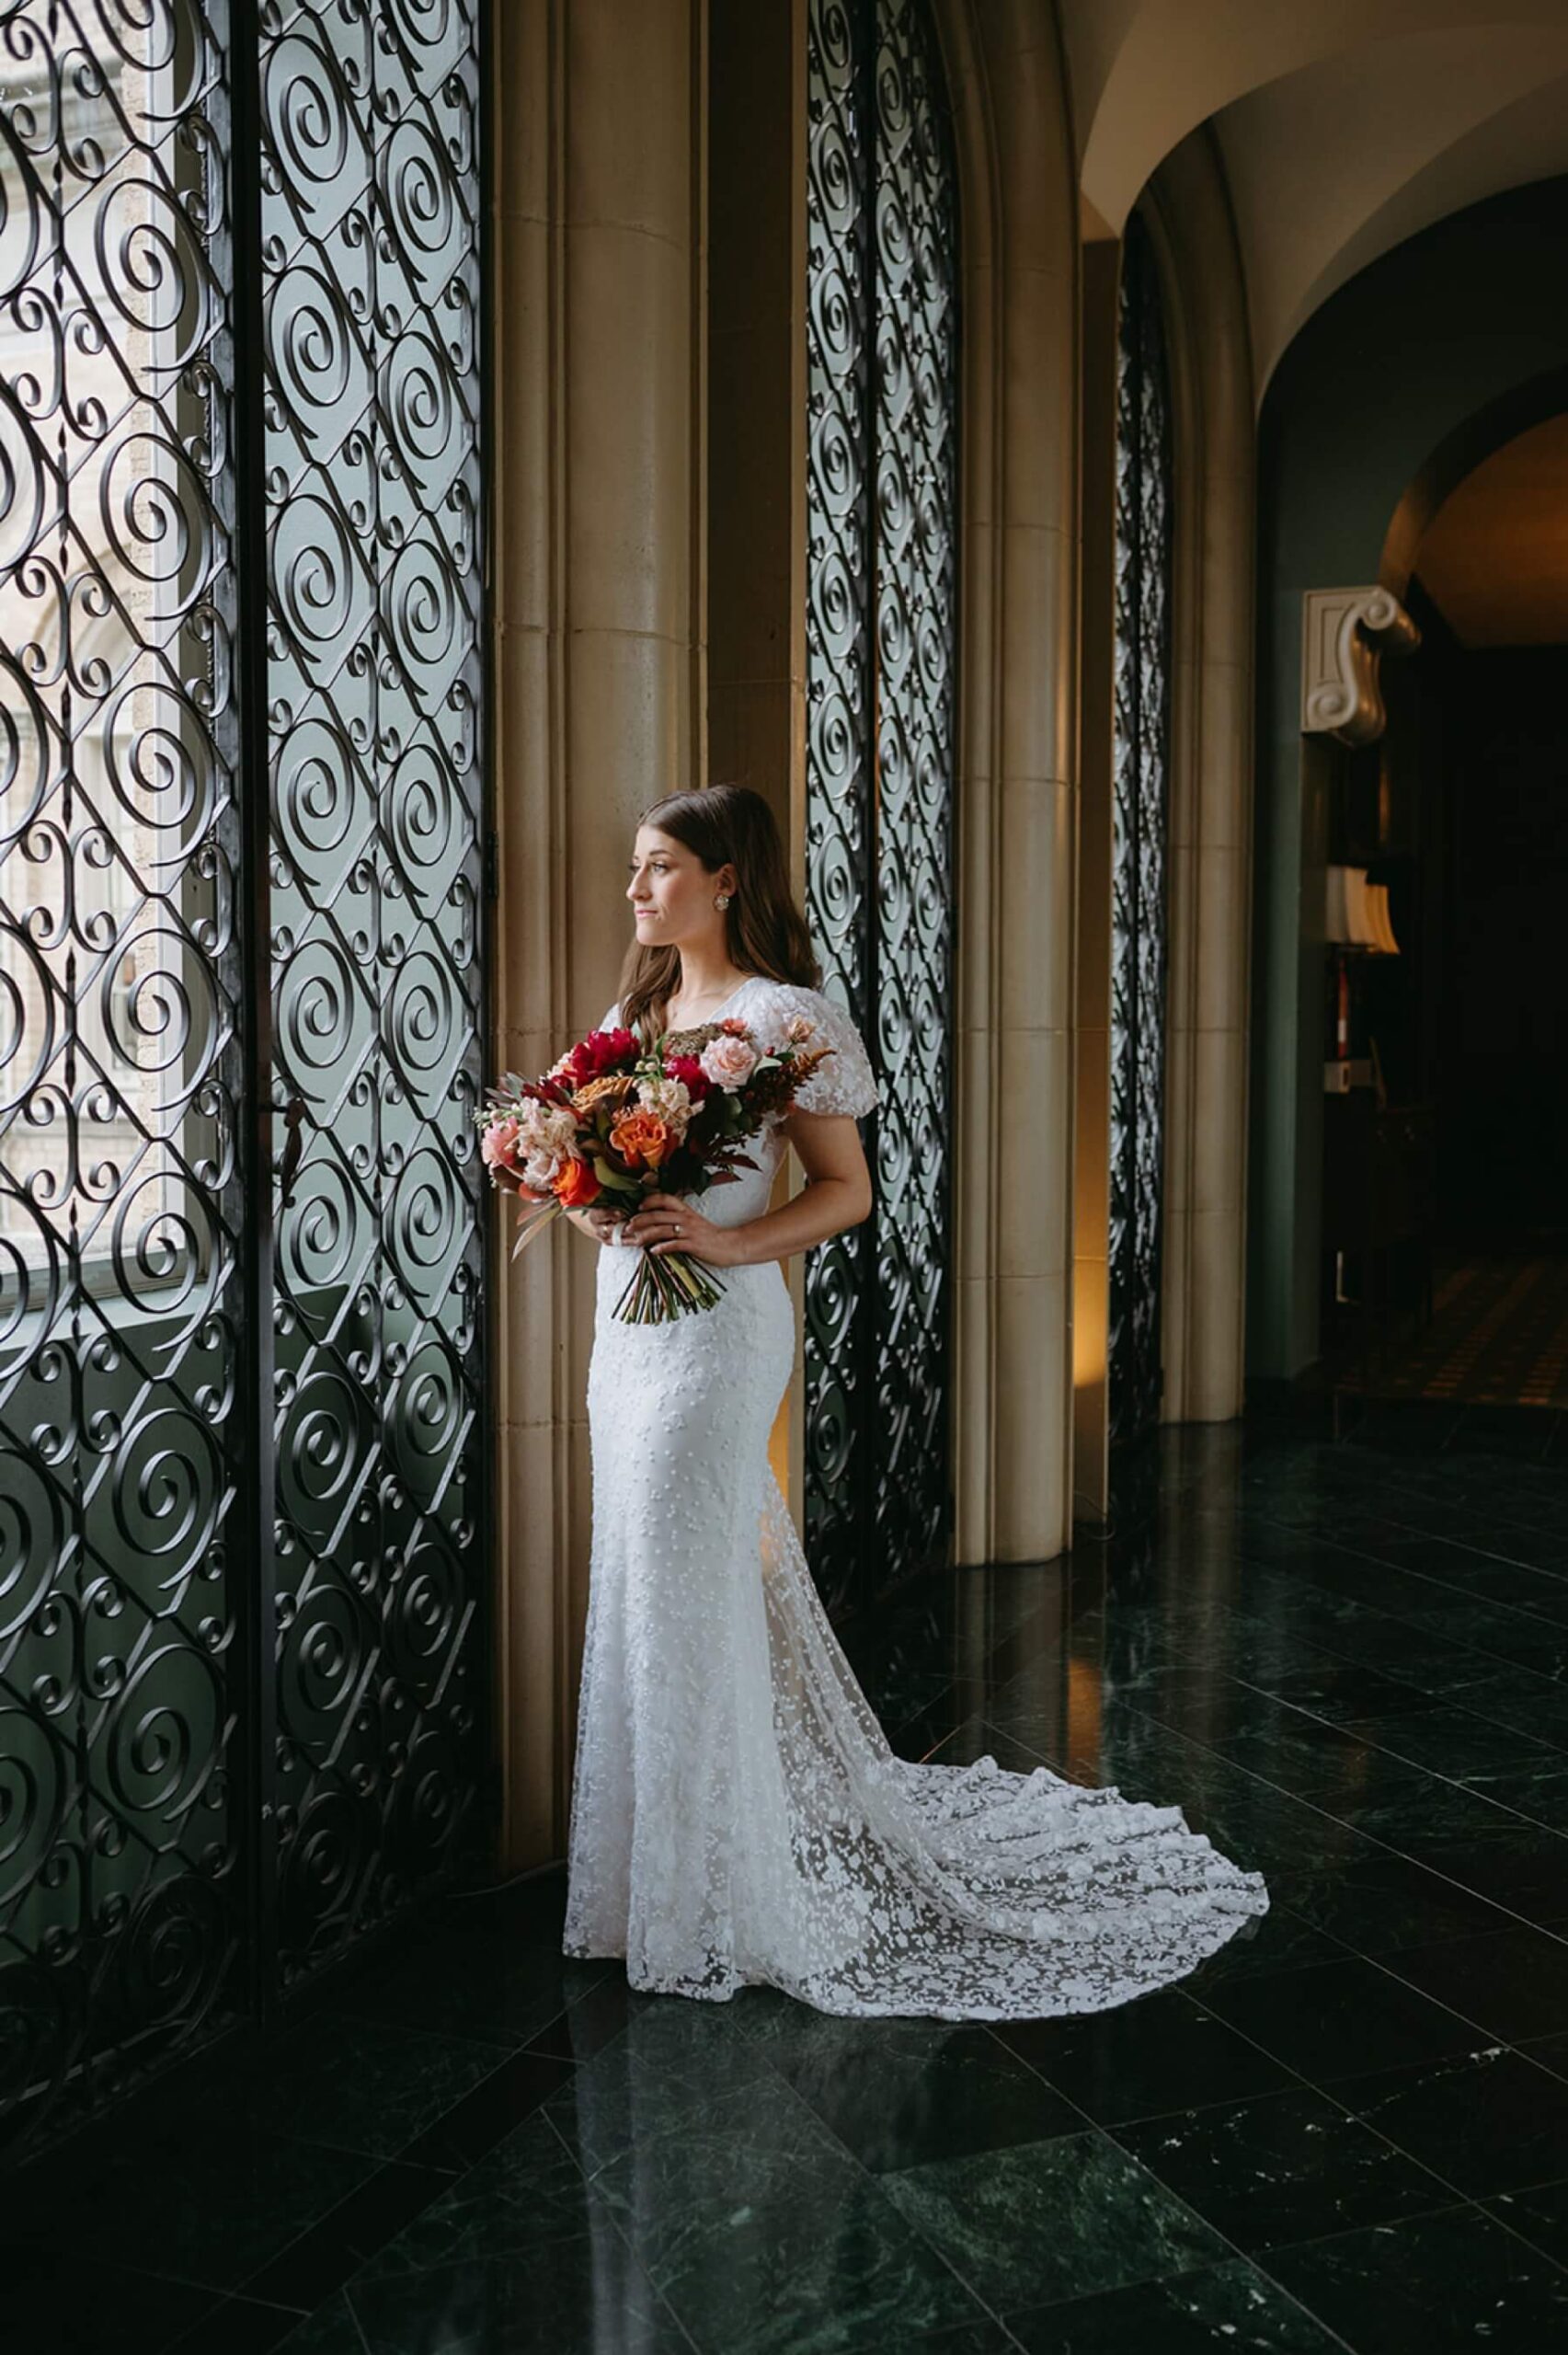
[(1491, 559), (1345, 125)]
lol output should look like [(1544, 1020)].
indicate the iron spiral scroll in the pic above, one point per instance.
[(240, 1447)]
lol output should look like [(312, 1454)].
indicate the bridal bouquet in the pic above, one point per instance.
[(614, 1119)]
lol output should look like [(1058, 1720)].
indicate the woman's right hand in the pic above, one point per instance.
[(602, 1225)]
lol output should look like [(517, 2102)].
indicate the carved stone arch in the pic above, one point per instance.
[(1185, 214), (1457, 456)]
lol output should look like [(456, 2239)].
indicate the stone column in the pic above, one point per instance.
[(1017, 783), (1096, 760), (1210, 871), (596, 434)]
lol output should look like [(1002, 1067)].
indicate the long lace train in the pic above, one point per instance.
[(738, 1814)]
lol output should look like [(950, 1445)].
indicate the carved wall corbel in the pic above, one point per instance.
[(1344, 635)]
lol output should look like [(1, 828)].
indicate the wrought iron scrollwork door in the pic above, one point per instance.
[(1140, 795), (371, 295), (881, 666), (240, 1505)]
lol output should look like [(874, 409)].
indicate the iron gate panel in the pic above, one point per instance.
[(140, 1558), (916, 567), (370, 299), (881, 665), (839, 824), (1138, 804), (123, 1533)]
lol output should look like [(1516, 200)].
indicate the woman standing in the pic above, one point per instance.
[(738, 1816)]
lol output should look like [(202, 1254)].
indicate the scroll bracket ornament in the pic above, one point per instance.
[(1344, 635)]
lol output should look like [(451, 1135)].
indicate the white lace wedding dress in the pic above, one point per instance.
[(738, 1816)]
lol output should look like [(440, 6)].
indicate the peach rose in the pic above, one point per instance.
[(577, 1185), (641, 1139), (729, 1061), (671, 1100), (546, 1128), (540, 1173)]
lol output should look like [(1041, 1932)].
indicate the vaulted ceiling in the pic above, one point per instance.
[(1345, 125)]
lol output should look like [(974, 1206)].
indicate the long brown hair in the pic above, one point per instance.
[(764, 931)]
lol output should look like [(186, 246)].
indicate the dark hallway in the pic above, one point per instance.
[(1460, 811)]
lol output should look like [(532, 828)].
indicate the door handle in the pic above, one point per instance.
[(293, 1148)]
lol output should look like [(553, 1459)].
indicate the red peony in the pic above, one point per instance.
[(689, 1072), (602, 1051)]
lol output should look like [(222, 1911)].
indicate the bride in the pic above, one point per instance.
[(738, 1816)]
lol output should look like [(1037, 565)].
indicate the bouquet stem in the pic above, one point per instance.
[(665, 1286)]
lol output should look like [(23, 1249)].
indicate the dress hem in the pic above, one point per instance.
[(1228, 1921)]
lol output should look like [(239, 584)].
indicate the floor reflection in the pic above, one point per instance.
[(1339, 1641)]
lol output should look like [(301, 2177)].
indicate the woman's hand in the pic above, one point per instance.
[(664, 1222), (599, 1225)]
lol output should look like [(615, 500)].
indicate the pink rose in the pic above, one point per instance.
[(501, 1149), (729, 1061), (498, 1146)]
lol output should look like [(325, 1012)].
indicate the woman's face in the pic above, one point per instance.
[(672, 892)]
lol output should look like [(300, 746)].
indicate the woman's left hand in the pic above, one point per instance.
[(663, 1223)]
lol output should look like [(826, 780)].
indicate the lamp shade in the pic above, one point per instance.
[(1357, 915)]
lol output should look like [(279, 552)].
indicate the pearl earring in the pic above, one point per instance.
[(722, 901)]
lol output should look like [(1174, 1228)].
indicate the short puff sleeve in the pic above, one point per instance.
[(844, 1081)]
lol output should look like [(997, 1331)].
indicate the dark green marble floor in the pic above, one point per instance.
[(1341, 1647)]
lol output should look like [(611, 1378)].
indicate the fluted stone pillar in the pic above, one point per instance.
[(1210, 856), (597, 439), (1097, 655), (1017, 785)]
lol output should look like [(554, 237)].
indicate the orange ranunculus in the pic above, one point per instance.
[(641, 1139), (576, 1184)]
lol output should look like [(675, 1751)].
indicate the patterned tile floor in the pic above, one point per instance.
[(1339, 1639)]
